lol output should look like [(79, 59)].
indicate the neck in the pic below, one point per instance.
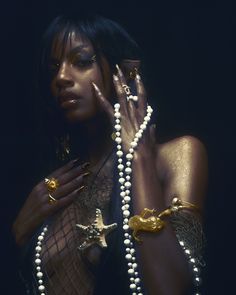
[(92, 141)]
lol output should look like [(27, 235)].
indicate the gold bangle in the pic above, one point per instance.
[(154, 223)]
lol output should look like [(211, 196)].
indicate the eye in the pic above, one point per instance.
[(83, 61)]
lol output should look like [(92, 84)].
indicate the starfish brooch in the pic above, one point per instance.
[(95, 232)]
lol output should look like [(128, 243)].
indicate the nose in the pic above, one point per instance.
[(64, 78)]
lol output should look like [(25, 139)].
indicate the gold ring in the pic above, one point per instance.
[(52, 184), (51, 200)]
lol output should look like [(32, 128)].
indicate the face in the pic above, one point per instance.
[(72, 72)]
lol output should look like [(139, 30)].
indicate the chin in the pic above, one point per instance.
[(79, 116)]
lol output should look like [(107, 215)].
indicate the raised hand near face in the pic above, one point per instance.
[(133, 111)]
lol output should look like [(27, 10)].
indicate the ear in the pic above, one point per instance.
[(130, 67)]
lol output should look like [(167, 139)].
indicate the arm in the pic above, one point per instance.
[(163, 263)]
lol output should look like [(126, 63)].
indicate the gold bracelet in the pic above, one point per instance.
[(154, 223)]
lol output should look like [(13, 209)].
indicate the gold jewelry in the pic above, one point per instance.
[(95, 232), (51, 200), (52, 184), (155, 223)]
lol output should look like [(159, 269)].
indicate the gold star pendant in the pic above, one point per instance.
[(95, 232)]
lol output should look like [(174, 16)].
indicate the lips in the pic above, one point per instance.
[(68, 99)]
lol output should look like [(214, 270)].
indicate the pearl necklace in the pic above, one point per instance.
[(125, 171)]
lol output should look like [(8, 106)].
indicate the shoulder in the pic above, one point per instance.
[(183, 162)]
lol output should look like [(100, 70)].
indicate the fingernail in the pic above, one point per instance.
[(81, 188), (118, 68), (86, 174), (94, 85), (138, 77), (115, 78), (76, 161)]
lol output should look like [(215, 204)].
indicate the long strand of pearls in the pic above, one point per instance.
[(193, 264), (125, 171), (38, 261)]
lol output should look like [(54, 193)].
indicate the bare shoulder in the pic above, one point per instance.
[(183, 162)]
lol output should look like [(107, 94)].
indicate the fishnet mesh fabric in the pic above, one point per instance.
[(66, 269), (188, 228)]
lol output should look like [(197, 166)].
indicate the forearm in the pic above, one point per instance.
[(163, 263)]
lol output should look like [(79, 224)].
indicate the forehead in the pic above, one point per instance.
[(65, 43)]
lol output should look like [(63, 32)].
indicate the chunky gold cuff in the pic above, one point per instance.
[(154, 223)]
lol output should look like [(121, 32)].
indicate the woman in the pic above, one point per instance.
[(84, 228)]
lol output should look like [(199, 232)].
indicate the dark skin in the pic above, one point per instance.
[(160, 171)]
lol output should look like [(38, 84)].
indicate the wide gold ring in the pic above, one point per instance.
[(52, 184)]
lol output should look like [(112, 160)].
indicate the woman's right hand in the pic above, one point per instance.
[(37, 207)]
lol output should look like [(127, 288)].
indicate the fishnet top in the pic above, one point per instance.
[(70, 271), (66, 269)]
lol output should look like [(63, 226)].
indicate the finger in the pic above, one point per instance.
[(121, 96), (141, 93), (64, 169), (105, 104), (65, 201), (73, 173), (122, 89), (67, 188)]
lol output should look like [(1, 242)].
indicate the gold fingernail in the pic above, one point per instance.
[(83, 186), (86, 174), (118, 68)]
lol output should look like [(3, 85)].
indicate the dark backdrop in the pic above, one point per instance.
[(189, 53)]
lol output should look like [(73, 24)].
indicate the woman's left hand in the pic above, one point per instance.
[(132, 112)]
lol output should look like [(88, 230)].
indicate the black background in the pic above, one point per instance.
[(189, 51)]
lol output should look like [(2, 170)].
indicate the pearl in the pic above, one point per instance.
[(118, 127), (127, 199), (39, 274), (120, 167), (117, 121), (132, 286), (128, 256), (122, 194), (128, 163), (125, 227), (45, 229), (196, 270), (126, 241), (40, 282), (120, 161), (135, 265), (127, 192), (38, 261), (181, 243), (121, 180), (126, 220), (39, 243), (131, 150), (128, 170), (133, 144), (41, 288), (129, 156), (117, 115), (137, 280), (127, 177), (121, 174), (38, 248), (127, 184), (187, 251), (126, 213), (40, 238), (119, 147), (192, 260), (197, 281), (119, 153), (130, 271), (118, 140), (117, 106), (38, 268), (37, 255)]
